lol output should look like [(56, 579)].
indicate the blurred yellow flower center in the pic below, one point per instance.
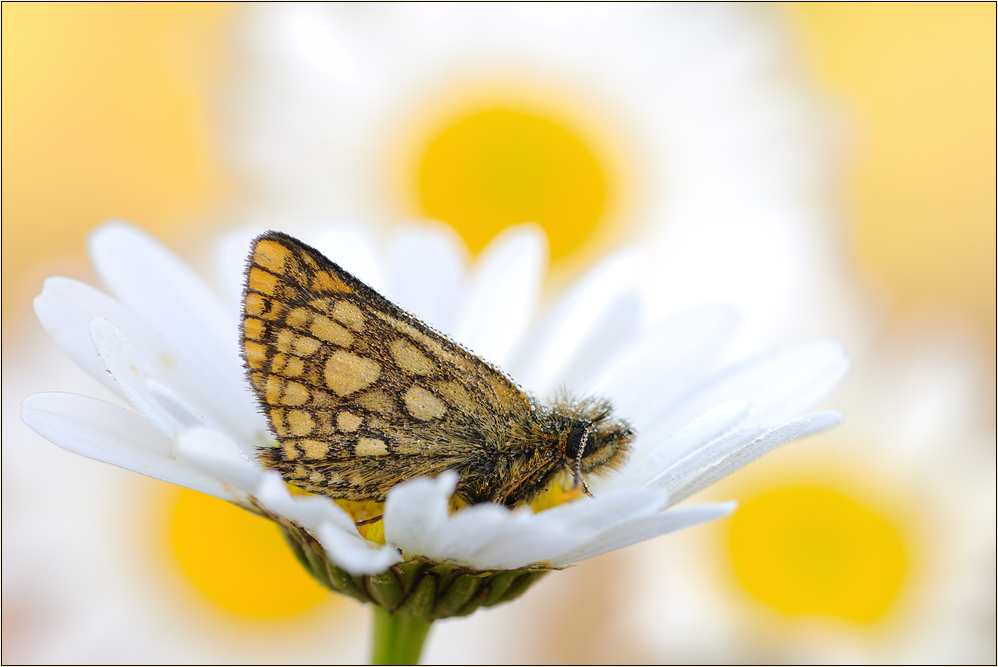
[(815, 551), (501, 167), (238, 560)]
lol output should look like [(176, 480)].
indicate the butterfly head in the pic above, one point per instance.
[(592, 439)]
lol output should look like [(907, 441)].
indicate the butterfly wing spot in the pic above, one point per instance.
[(253, 328), (423, 405), (273, 390), (303, 346), (331, 332), (371, 447), (271, 255), (285, 340), (256, 355), (277, 421), (326, 282), (433, 345), (278, 363), (299, 318), (300, 423), (348, 421), (262, 281), (457, 395), (255, 305), (295, 394), (294, 367), (349, 314), (347, 372), (410, 359), (314, 449)]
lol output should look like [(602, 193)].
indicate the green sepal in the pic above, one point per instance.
[(460, 592), (420, 603)]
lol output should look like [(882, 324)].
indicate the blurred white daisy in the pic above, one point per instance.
[(163, 346), (682, 127)]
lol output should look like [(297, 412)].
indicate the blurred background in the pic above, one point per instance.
[(828, 168)]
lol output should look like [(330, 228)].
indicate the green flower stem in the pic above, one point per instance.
[(398, 639)]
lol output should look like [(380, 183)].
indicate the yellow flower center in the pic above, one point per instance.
[(237, 560), (501, 166), (560, 492), (817, 551), (365, 510)]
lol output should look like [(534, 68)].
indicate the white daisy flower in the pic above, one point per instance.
[(168, 346)]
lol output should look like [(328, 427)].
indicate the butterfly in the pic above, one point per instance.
[(361, 395)]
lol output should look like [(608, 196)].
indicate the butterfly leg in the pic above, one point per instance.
[(364, 522)]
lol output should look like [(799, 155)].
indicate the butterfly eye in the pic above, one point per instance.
[(574, 443)]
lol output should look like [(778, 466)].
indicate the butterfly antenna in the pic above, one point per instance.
[(577, 480)]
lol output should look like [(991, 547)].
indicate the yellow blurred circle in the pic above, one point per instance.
[(238, 560), (500, 166), (817, 551)]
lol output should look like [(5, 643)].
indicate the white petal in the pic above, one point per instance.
[(645, 528), (823, 420), (353, 554), (174, 405), (712, 463), (425, 273), (503, 293), (158, 285), (605, 510), (517, 541), (674, 476), (107, 433), (780, 386), (792, 381), (65, 308), (308, 511), (493, 537), (659, 368), (707, 428), (130, 371), (482, 536), (192, 321), (564, 330), (415, 509), (566, 528), (608, 339), (215, 454), (468, 531), (489, 536), (329, 523)]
